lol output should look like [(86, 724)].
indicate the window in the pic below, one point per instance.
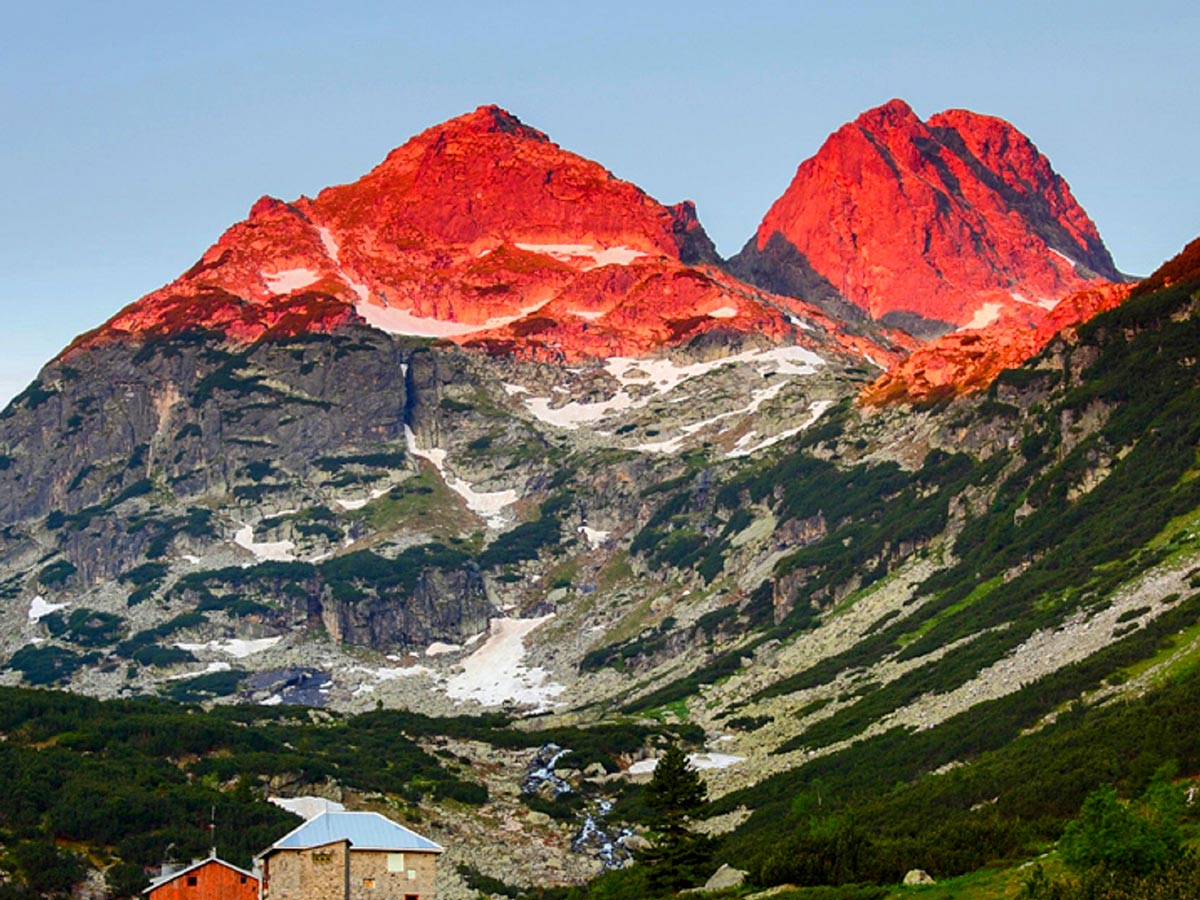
[(395, 862), (191, 882), (368, 883)]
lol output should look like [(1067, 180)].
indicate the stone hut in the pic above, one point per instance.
[(350, 856)]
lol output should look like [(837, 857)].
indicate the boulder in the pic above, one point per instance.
[(635, 843), (918, 876), (724, 878)]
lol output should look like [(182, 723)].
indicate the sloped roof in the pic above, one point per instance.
[(364, 831), (193, 866)]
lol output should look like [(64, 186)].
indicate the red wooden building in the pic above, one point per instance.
[(205, 879)]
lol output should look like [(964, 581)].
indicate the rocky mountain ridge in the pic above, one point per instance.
[(482, 231), (243, 490), (255, 442)]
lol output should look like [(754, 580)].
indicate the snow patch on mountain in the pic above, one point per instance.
[(496, 673), (595, 537), (389, 673), (664, 375), (39, 608), (238, 648), (210, 669), (359, 503), (275, 551), (744, 446), (573, 414), (984, 316), (1041, 304), (674, 444), (285, 281), (488, 505), (585, 256), (329, 242), (1064, 256), (402, 321)]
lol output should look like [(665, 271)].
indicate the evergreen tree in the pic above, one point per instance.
[(678, 857), (1126, 838)]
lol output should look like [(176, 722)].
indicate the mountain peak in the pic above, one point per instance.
[(893, 114), (489, 119), (480, 230), (933, 225)]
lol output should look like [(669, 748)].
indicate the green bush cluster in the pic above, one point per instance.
[(527, 539), (49, 664), (55, 574), (85, 627)]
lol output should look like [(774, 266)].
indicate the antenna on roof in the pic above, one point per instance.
[(212, 830)]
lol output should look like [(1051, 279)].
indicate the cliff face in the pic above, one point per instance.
[(189, 418), (930, 225), (490, 380), (479, 230)]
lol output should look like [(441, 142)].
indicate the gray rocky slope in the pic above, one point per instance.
[(718, 535)]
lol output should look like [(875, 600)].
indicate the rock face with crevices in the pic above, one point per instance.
[(928, 225), (481, 230), (955, 230)]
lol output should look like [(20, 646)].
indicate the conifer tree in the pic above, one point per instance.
[(677, 857)]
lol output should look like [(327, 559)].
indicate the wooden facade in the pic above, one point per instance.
[(206, 879)]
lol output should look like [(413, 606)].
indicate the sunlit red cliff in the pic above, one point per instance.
[(954, 222), (483, 231), (480, 230), (967, 361)]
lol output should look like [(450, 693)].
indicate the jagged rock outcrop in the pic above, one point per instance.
[(480, 230), (446, 605), (928, 224), (120, 426), (967, 361)]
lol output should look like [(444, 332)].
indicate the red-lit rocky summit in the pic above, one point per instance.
[(482, 231), (930, 226), (952, 235)]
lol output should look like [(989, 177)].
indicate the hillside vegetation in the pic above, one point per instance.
[(928, 635)]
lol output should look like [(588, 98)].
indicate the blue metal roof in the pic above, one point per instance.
[(364, 831)]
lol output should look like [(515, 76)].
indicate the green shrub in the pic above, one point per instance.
[(1123, 838), (56, 573), (205, 687), (47, 665)]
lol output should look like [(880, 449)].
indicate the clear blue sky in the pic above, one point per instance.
[(135, 132)]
